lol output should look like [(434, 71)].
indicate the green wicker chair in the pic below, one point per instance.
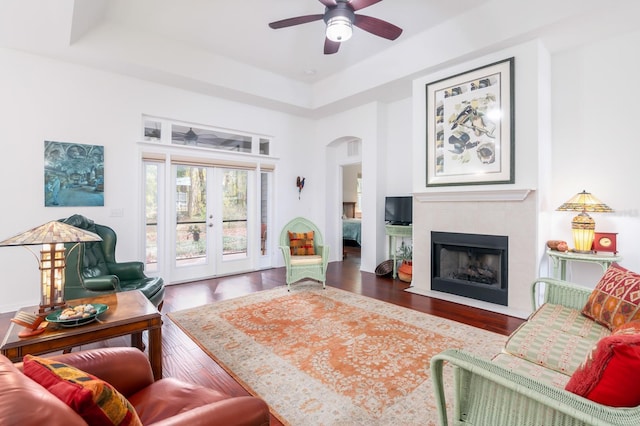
[(299, 267), (486, 393)]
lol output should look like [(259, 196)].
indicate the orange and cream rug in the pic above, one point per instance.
[(331, 357)]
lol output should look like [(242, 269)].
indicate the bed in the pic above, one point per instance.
[(351, 229)]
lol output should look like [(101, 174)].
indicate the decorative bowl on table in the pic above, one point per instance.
[(73, 316)]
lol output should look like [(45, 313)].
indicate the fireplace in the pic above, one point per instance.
[(470, 265)]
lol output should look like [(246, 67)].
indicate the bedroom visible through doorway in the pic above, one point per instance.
[(351, 209)]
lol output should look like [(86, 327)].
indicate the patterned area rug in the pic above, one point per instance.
[(330, 357)]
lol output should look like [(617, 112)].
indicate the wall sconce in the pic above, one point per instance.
[(51, 236), (583, 226)]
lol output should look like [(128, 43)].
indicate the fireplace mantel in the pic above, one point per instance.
[(473, 195), (508, 211)]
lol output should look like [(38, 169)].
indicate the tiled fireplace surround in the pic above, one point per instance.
[(513, 213)]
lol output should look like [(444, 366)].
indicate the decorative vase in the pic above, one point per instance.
[(405, 271)]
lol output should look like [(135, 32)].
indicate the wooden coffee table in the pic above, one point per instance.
[(129, 312)]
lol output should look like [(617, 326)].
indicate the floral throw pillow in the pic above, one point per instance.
[(615, 299)]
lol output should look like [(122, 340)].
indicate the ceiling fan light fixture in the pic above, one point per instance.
[(339, 28)]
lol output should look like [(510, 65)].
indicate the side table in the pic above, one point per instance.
[(560, 260), (394, 231), (129, 313)]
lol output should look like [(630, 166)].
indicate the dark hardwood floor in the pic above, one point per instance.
[(183, 359)]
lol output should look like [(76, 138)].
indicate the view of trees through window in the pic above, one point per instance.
[(234, 214), (191, 212), (192, 226), (151, 217)]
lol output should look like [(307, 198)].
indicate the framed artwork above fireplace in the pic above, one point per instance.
[(470, 127)]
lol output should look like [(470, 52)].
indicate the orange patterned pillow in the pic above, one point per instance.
[(95, 400), (616, 298), (301, 243)]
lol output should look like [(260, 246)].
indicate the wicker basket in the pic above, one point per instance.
[(385, 268)]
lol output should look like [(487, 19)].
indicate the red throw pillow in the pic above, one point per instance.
[(301, 243), (616, 298), (95, 400), (611, 372)]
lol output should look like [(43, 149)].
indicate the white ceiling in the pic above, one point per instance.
[(225, 47), (239, 29)]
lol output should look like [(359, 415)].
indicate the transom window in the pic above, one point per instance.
[(174, 133)]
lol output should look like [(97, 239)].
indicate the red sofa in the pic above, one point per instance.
[(163, 402)]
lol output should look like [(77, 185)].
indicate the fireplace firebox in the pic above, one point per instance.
[(470, 265)]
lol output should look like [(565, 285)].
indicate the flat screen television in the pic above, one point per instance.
[(398, 210)]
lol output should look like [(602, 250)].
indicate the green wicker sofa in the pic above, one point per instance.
[(525, 383)]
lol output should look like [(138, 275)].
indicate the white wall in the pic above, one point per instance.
[(367, 123), (595, 143), (43, 99), (399, 148)]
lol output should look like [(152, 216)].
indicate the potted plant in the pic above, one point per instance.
[(194, 230), (405, 271)]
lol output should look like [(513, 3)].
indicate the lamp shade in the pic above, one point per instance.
[(583, 226), (584, 202), (51, 233), (51, 236)]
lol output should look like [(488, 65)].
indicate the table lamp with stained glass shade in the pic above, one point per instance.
[(52, 236), (583, 226)]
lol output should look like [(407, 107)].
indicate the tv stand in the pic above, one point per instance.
[(394, 231)]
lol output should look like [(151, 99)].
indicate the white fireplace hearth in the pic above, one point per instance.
[(509, 212)]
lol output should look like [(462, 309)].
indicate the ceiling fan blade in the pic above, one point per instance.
[(328, 3), (331, 47), (361, 4), (377, 27), (295, 21)]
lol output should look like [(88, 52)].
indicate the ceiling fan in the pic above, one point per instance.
[(340, 17)]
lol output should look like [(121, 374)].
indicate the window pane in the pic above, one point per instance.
[(234, 214), (151, 217), (264, 146), (191, 210), (264, 212), (152, 130), (211, 139)]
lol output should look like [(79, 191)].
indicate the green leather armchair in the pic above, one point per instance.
[(92, 269)]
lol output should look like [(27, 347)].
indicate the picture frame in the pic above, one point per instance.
[(73, 174), (470, 127)]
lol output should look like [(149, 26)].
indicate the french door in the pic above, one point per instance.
[(211, 220), (210, 223)]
